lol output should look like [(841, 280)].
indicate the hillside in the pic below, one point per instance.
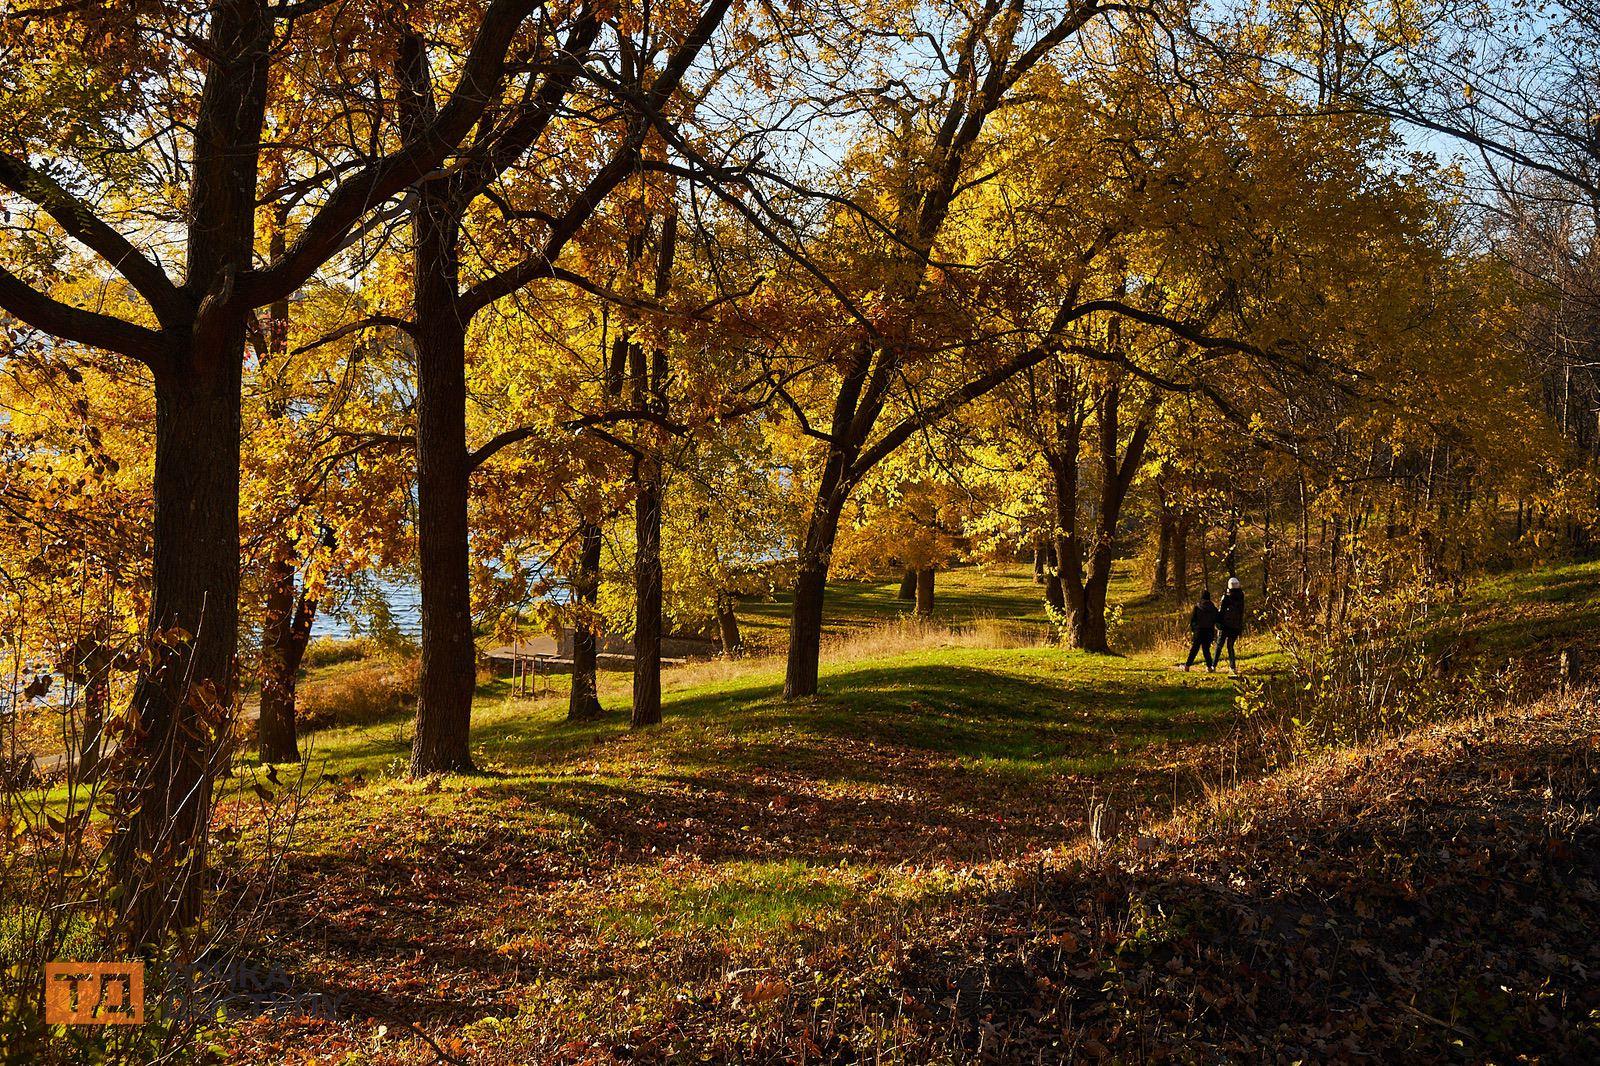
[(961, 849)]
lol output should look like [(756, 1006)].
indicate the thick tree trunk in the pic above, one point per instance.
[(583, 700), (650, 394), (449, 665), (728, 624), (1116, 477), (810, 587), (647, 598), (925, 592), (805, 629), (285, 633), (184, 702), (908, 585), (1038, 565)]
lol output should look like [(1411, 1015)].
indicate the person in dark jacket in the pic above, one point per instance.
[(1230, 622), (1202, 630)]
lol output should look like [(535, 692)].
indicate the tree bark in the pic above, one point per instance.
[(88, 664), (647, 598), (285, 634), (286, 625), (810, 588), (925, 592), (442, 743), (1054, 598), (449, 670), (650, 394), (184, 702), (1159, 582), (1180, 556), (583, 700), (908, 585), (728, 624), (1068, 411), (1117, 470)]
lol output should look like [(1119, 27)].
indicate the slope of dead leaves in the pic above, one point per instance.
[(1433, 899)]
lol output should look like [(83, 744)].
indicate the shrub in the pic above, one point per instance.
[(331, 651), (369, 691), (1388, 666)]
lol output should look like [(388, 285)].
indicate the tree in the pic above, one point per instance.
[(191, 335)]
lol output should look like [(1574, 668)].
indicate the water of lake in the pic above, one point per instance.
[(400, 598)]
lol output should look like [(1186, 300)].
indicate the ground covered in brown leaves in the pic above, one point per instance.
[(1433, 899)]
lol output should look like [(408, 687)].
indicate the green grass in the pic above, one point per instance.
[(1542, 610), (1045, 707)]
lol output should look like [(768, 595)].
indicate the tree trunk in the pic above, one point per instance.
[(1038, 566), (1116, 477), (908, 585), (1158, 580), (88, 664), (285, 632), (1266, 543), (647, 598), (1180, 557), (184, 702), (1053, 596), (728, 624), (650, 394), (1069, 415), (583, 700), (449, 667), (1232, 558), (810, 587), (286, 625), (96, 706), (925, 592)]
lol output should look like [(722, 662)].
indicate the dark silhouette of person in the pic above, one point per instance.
[(1202, 630), (1230, 622)]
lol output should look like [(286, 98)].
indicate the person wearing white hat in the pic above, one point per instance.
[(1230, 622)]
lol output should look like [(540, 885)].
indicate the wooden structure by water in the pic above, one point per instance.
[(536, 660)]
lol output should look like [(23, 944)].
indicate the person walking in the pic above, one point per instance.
[(1202, 630), (1230, 622)]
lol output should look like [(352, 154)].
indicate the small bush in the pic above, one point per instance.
[(370, 691), (331, 651), (1387, 667)]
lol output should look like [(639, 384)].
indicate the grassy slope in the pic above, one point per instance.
[(960, 595), (596, 888), (743, 825)]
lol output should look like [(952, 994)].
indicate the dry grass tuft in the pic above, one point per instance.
[(366, 692)]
